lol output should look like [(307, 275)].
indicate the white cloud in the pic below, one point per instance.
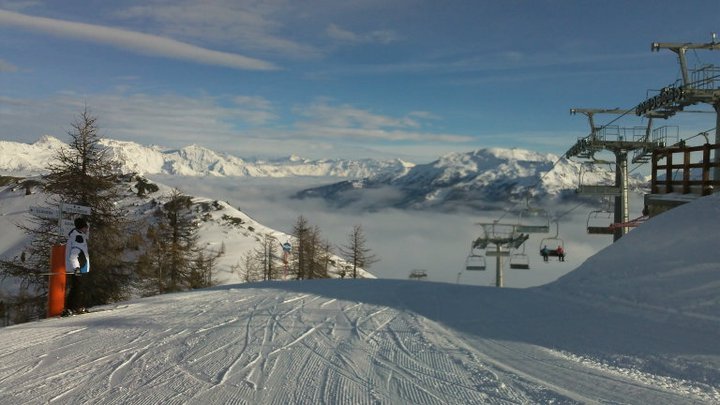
[(254, 102), (7, 66), (346, 121), (17, 5), (133, 41), (245, 24), (168, 120), (340, 34), (245, 125), (379, 36)]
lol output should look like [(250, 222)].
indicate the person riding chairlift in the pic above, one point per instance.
[(544, 252)]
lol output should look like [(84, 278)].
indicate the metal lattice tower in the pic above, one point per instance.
[(698, 86), (620, 141)]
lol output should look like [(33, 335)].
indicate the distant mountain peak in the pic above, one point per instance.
[(48, 141), (191, 160), (477, 179)]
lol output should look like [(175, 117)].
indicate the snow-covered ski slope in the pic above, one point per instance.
[(402, 342)]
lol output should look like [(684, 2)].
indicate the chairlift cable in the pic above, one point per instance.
[(569, 211)]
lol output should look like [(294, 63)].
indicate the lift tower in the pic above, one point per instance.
[(505, 237), (700, 85), (620, 141)]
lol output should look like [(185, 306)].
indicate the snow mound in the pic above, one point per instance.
[(670, 263)]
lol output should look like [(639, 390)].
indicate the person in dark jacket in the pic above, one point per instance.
[(77, 259), (544, 252), (77, 262)]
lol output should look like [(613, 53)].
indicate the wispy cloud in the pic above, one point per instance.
[(168, 120), (249, 25), (379, 36), (133, 41), (246, 125), (346, 121), (7, 66)]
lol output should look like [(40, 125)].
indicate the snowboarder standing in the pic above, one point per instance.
[(77, 261)]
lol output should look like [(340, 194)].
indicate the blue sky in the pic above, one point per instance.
[(334, 79)]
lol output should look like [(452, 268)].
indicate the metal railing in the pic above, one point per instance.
[(684, 169)]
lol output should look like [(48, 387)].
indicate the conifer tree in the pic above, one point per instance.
[(311, 254), (173, 261), (251, 269), (301, 231), (356, 251), (266, 255), (85, 174)]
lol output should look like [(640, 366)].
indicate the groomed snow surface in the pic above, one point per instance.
[(636, 324)]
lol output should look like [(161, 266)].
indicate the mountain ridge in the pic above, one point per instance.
[(478, 179), (191, 160)]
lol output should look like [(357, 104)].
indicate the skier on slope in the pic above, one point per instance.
[(77, 261), (77, 258)]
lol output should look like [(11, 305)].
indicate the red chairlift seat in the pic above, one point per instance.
[(630, 224)]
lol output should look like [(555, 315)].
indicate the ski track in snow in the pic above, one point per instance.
[(332, 350)]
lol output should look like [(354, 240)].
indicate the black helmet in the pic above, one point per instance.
[(80, 223)]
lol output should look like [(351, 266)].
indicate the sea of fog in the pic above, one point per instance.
[(404, 240)]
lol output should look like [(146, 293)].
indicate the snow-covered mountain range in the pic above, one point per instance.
[(477, 179), (193, 160)]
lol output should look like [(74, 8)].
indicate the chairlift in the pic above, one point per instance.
[(599, 222), (584, 186), (520, 261), (533, 220), (418, 274), (546, 246), (475, 261)]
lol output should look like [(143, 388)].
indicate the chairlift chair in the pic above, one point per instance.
[(533, 220), (585, 188), (520, 261), (418, 274), (475, 260), (552, 244), (599, 222)]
